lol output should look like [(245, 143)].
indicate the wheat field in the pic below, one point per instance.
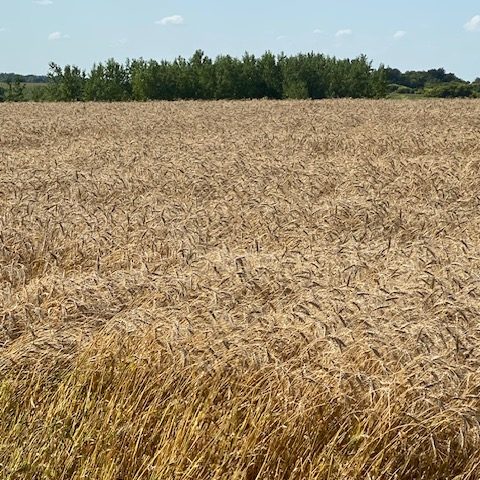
[(240, 290)]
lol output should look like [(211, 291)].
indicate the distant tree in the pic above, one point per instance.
[(305, 76), (250, 80), (202, 78), (394, 76), (183, 79), (379, 82), (228, 75), (67, 84), (2, 94), (451, 90), (73, 83), (16, 90), (40, 93), (4, 77), (270, 76), (294, 84), (418, 79), (109, 82), (310, 75), (55, 78), (95, 85), (359, 78), (142, 83), (295, 89)]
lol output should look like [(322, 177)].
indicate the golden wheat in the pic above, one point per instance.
[(240, 290)]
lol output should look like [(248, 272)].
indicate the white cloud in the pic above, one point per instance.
[(281, 37), (57, 36), (473, 25), (3, 29), (172, 20), (43, 2), (317, 31), (343, 33), (399, 34)]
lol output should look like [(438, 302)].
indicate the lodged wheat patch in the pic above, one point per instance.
[(240, 290)]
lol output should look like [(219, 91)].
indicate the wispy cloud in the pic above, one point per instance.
[(281, 37), (172, 20), (57, 36), (43, 2), (399, 34), (473, 25), (317, 31), (119, 43), (3, 29), (344, 32)]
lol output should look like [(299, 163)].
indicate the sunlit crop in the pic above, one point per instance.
[(240, 290)]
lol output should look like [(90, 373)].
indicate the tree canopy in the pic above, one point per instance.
[(302, 76)]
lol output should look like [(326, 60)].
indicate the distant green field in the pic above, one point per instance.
[(406, 96)]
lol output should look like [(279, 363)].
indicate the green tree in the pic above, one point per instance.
[(141, 79), (40, 93), (109, 82), (270, 76), (250, 80), (310, 75), (360, 78), (73, 83), (294, 84), (202, 74), (379, 82), (228, 74), (16, 90), (450, 90), (67, 84)]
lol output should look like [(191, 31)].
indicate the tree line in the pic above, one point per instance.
[(431, 83), (12, 77), (301, 76)]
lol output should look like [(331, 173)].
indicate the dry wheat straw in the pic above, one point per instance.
[(240, 290)]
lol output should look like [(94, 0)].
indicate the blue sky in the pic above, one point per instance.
[(408, 34)]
